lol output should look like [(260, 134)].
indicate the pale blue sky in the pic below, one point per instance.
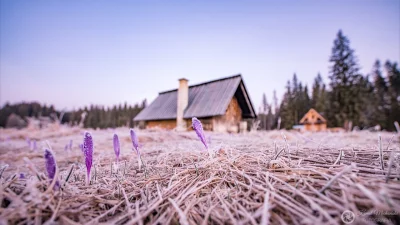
[(76, 53)]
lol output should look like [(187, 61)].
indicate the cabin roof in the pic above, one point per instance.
[(312, 117), (205, 100)]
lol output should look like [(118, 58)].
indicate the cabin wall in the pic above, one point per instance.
[(206, 122), (230, 122), (315, 127), (163, 124), (233, 113)]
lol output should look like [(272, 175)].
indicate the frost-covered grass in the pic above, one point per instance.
[(309, 178)]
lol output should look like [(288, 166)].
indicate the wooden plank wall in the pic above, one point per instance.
[(231, 120), (163, 124)]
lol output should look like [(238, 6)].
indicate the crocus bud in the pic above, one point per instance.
[(70, 145), (117, 148), (51, 166), (196, 124), (88, 152), (28, 141), (135, 141)]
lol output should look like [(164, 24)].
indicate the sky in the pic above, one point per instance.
[(76, 53)]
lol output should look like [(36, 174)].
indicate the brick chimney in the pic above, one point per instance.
[(183, 100)]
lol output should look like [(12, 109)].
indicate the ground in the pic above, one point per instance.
[(274, 177)]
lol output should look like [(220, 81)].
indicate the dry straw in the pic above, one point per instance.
[(247, 182)]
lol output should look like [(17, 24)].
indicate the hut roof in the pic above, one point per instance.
[(312, 117)]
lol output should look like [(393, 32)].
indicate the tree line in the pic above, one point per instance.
[(95, 116), (24, 110), (349, 99)]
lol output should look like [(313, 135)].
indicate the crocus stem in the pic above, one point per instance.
[(197, 171), (95, 173), (69, 174), (139, 162), (210, 153), (144, 166), (87, 178), (124, 167)]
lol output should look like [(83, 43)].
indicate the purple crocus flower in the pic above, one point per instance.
[(135, 141), (196, 124), (51, 166), (70, 145), (33, 145), (21, 176), (66, 148), (117, 147), (88, 152)]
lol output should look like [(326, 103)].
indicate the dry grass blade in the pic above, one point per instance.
[(380, 152), (391, 159), (339, 157), (183, 220), (345, 170), (2, 170), (265, 213), (69, 174)]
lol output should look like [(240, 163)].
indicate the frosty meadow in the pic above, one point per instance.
[(274, 177)]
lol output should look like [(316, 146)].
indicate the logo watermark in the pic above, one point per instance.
[(348, 217)]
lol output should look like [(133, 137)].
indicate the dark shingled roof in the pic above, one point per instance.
[(205, 100)]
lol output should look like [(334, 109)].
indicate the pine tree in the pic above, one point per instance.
[(264, 104), (393, 76), (276, 106), (316, 91), (319, 95), (294, 98), (345, 97), (306, 102), (269, 118), (266, 115), (262, 115), (287, 109), (380, 96), (144, 104), (366, 105)]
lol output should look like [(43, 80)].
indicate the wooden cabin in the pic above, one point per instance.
[(221, 105), (313, 121)]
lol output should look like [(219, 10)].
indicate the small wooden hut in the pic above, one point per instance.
[(313, 121)]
